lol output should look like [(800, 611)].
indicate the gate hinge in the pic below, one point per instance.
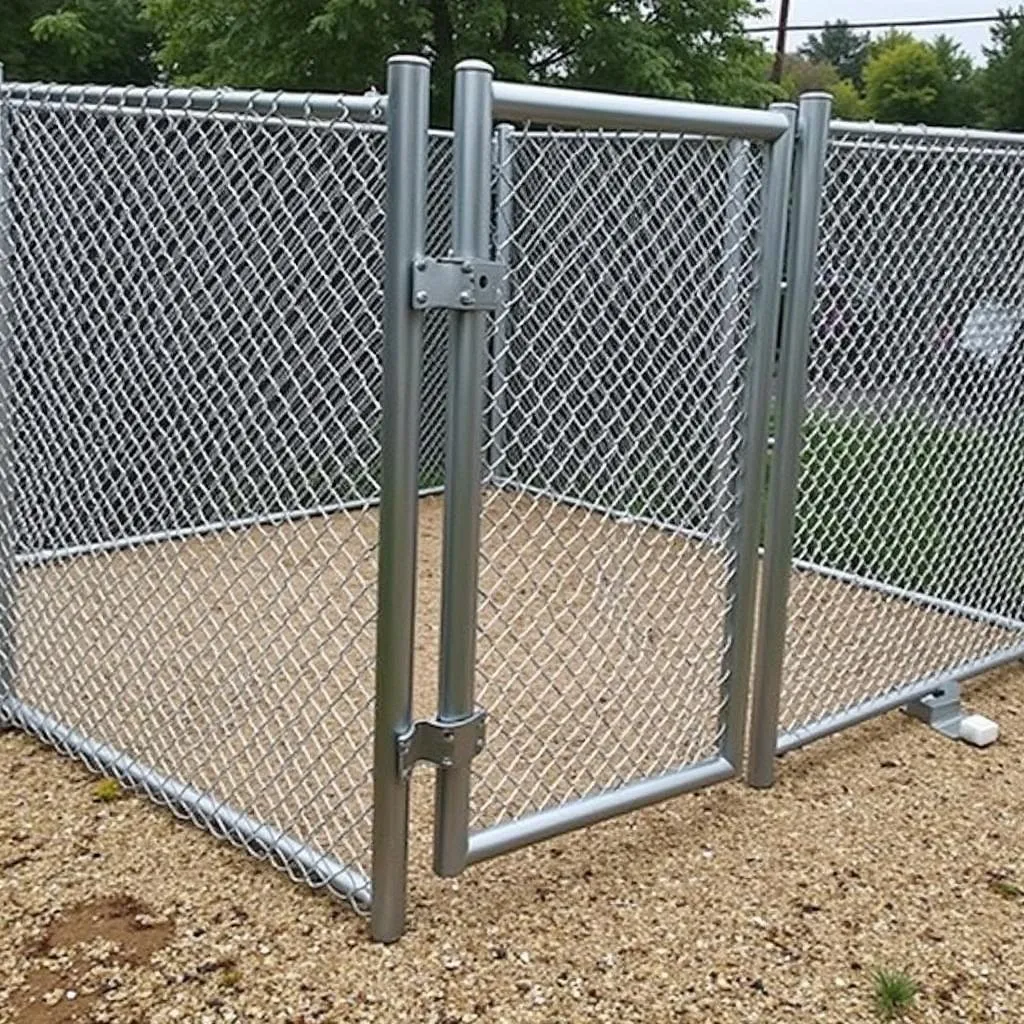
[(456, 282), (442, 743)]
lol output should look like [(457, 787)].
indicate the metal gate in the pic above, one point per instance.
[(613, 290)]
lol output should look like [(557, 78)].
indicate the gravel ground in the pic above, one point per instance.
[(886, 846)]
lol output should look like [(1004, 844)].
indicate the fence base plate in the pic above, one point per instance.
[(942, 711)]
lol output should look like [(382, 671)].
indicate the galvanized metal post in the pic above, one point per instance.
[(813, 120), (497, 432), (771, 244), (471, 215), (408, 112), (7, 468)]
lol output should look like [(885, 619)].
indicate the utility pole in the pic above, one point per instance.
[(780, 42)]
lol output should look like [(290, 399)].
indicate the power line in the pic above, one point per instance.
[(919, 22)]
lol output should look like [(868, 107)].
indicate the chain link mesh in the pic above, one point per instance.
[(196, 382), (912, 471), (614, 427)]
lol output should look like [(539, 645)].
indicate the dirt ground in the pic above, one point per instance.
[(885, 847)]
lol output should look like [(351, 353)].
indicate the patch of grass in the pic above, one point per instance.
[(231, 977), (894, 993), (106, 791), (1005, 887)]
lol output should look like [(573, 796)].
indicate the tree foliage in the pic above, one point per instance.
[(666, 47), (903, 82), (959, 99), (76, 41), (799, 75), (842, 48), (1002, 83)]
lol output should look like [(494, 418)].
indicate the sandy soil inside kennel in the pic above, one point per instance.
[(885, 847)]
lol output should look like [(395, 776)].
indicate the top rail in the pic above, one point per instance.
[(309, 105), (875, 129), (578, 108)]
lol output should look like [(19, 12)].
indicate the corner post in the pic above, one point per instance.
[(408, 94), (801, 261), (471, 216), (771, 244)]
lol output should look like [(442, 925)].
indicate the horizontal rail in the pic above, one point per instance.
[(513, 101), (874, 129), (555, 821), (911, 596), (43, 555), (876, 706), (308, 105), (609, 512), (318, 868)]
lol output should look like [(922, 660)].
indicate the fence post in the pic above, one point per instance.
[(471, 221), (813, 125), (503, 230), (774, 217), (7, 466), (408, 97)]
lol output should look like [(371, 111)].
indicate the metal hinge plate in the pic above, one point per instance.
[(442, 743), (455, 282)]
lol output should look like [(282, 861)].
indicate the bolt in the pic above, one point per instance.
[(421, 298), (479, 745), (421, 265), (467, 266), (466, 298)]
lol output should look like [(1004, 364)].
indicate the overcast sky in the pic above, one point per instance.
[(812, 12)]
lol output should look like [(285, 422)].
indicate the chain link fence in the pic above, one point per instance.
[(612, 450), (909, 557), (195, 389)]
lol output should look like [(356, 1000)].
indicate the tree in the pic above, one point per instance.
[(1002, 82), (801, 75), (77, 41), (665, 47), (903, 82), (840, 46), (959, 99)]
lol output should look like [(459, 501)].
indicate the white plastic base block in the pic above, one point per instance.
[(978, 730)]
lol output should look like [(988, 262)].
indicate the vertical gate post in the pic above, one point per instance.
[(471, 216), (771, 245), (801, 260), (497, 428), (7, 466), (408, 98)]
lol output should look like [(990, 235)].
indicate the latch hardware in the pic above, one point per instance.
[(456, 282), (442, 743)]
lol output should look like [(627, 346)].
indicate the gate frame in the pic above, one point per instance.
[(479, 102)]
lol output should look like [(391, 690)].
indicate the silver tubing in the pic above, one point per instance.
[(43, 555), (576, 108), (504, 229), (607, 511), (873, 129), (555, 821), (760, 362), (408, 112), (890, 701), (912, 596), (305, 105), (317, 867), (813, 127), (471, 216), (7, 540)]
